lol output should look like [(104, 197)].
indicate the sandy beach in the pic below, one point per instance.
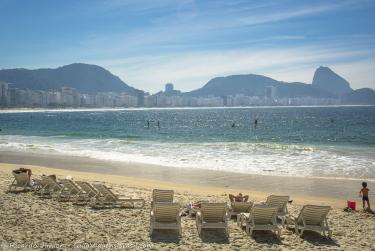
[(28, 221)]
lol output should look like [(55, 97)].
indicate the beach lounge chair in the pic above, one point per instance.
[(70, 190), (106, 197), (48, 187), (261, 217), (21, 180), (236, 208), (165, 215), (280, 202), (212, 215), (312, 218), (88, 192), (159, 195)]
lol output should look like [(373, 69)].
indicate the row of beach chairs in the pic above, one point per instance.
[(166, 214), (78, 192)]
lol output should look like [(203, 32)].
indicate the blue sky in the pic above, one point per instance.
[(148, 43)]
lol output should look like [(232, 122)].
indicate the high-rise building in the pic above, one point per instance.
[(4, 93), (271, 92), (169, 88)]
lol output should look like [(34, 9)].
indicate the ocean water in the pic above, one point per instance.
[(292, 141)]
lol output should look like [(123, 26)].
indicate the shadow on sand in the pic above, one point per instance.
[(166, 236), (18, 191), (317, 239), (214, 236), (266, 237)]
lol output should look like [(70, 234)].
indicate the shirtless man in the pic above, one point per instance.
[(238, 198), (364, 194)]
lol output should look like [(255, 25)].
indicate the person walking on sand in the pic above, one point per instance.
[(364, 194)]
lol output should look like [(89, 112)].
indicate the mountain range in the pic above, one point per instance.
[(85, 78), (326, 84), (92, 79)]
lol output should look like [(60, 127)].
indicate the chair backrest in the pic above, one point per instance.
[(159, 195), (106, 192), (87, 188), (278, 201), (313, 215), (70, 185), (242, 207), (214, 212), (50, 184), (263, 214), (166, 212), (22, 178)]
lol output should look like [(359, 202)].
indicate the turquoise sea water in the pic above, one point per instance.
[(303, 141)]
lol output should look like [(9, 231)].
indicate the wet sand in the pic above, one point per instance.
[(331, 191)]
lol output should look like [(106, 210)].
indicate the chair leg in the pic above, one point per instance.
[(296, 228), (278, 233), (330, 233), (239, 220), (251, 231)]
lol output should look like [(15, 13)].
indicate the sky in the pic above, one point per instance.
[(148, 43)]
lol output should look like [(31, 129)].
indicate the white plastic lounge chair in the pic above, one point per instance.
[(88, 192), (165, 215), (281, 203), (261, 217), (240, 207), (159, 195), (70, 190), (48, 187), (212, 215), (106, 197), (313, 218), (21, 180)]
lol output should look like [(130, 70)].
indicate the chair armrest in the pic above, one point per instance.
[(292, 218), (227, 215), (182, 211), (198, 215)]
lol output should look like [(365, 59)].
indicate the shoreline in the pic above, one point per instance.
[(303, 190), (71, 109)]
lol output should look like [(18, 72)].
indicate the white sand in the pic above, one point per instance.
[(27, 220)]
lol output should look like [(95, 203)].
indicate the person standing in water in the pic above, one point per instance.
[(158, 124), (255, 123)]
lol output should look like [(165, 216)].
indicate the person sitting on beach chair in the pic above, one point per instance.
[(24, 170), (238, 198), (22, 178)]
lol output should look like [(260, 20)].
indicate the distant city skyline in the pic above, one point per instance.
[(150, 43)]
